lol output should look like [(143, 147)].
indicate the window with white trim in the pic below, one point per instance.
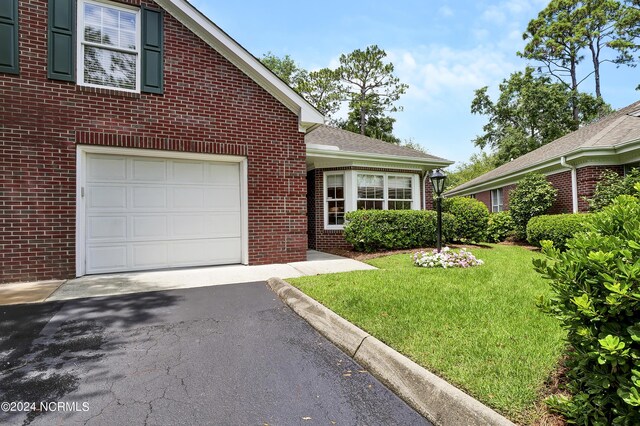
[(334, 201), (496, 200), (109, 46), (400, 195), (370, 192)]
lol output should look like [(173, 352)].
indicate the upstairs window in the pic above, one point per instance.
[(496, 200), (109, 38)]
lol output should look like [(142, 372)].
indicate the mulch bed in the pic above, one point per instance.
[(362, 256)]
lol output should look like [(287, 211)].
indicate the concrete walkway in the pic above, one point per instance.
[(113, 284)]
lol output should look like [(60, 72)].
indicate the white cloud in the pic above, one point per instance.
[(445, 11), (437, 73)]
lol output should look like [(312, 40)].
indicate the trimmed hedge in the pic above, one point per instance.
[(533, 196), (501, 226), (472, 218), (371, 230), (557, 228)]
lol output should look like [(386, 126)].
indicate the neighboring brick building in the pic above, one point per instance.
[(573, 164), (135, 134)]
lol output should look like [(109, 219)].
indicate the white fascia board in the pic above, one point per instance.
[(204, 28), (606, 156), (380, 158)]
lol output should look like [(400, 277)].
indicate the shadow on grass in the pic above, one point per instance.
[(46, 349)]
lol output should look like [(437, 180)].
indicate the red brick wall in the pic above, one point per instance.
[(588, 177), (564, 200), (485, 197), (323, 239), (209, 106), (506, 192)]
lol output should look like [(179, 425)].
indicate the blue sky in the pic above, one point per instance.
[(443, 49)]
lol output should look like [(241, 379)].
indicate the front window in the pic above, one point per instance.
[(370, 192), (496, 200), (335, 200), (400, 193), (109, 46)]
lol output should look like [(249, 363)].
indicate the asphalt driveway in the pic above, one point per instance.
[(227, 355)]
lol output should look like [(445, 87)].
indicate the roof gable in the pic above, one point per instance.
[(215, 37)]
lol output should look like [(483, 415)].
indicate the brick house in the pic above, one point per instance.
[(136, 134), (573, 163)]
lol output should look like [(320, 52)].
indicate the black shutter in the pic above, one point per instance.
[(152, 51), (9, 36), (62, 49)]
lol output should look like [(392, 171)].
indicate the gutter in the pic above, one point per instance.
[(574, 182), (352, 155)]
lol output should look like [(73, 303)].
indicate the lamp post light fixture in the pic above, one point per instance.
[(437, 178)]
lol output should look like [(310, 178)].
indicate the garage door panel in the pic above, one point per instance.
[(223, 174), (107, 197), (149, 170), (149, 197), (148, 227), (107, 168), (187, 198), (211, 252), (150, 213), (220, 225), (222, 198), (107, 228), (107, 258), (189, 172), (150, 255)]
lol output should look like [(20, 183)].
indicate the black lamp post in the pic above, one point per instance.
[(437, 178)]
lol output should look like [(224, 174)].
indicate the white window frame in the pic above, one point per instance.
[(81, 43), (325, 198), (499, 206), (351, 191)]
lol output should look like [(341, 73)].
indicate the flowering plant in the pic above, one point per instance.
[(447, 258)]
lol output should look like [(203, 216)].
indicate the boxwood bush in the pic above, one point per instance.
[(500, 227), (472, 218), (557, 228), (533, 196), (372, 230), (595, 287)]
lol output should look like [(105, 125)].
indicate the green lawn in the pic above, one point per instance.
[(478, 328)]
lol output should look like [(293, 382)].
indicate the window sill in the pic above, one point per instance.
[(105, 91), (334, 228)]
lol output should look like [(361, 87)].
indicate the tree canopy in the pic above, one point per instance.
[(364, 81), (529, 112)]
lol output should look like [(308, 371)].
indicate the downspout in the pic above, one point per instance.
[(574, 182), (424, 190)]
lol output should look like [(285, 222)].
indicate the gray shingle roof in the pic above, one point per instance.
[(347, 141), (618, 128)]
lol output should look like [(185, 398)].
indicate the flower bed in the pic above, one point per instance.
[(447, 258)]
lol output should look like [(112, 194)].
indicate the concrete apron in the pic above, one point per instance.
[(114, 284)]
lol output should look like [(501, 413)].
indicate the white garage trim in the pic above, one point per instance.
[(81, 182)]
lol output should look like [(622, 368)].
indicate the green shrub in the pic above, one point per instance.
[(533, 196), (596, 296), (610, 185), (500, 227), (557, 228), (472, 217), (371, 230)]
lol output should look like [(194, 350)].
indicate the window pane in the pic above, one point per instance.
[(399, 205), (109, 26), (369, 205), (336, 213), (370, 186), (108, 68)]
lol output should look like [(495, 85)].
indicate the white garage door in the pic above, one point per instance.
[(149, 213)]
